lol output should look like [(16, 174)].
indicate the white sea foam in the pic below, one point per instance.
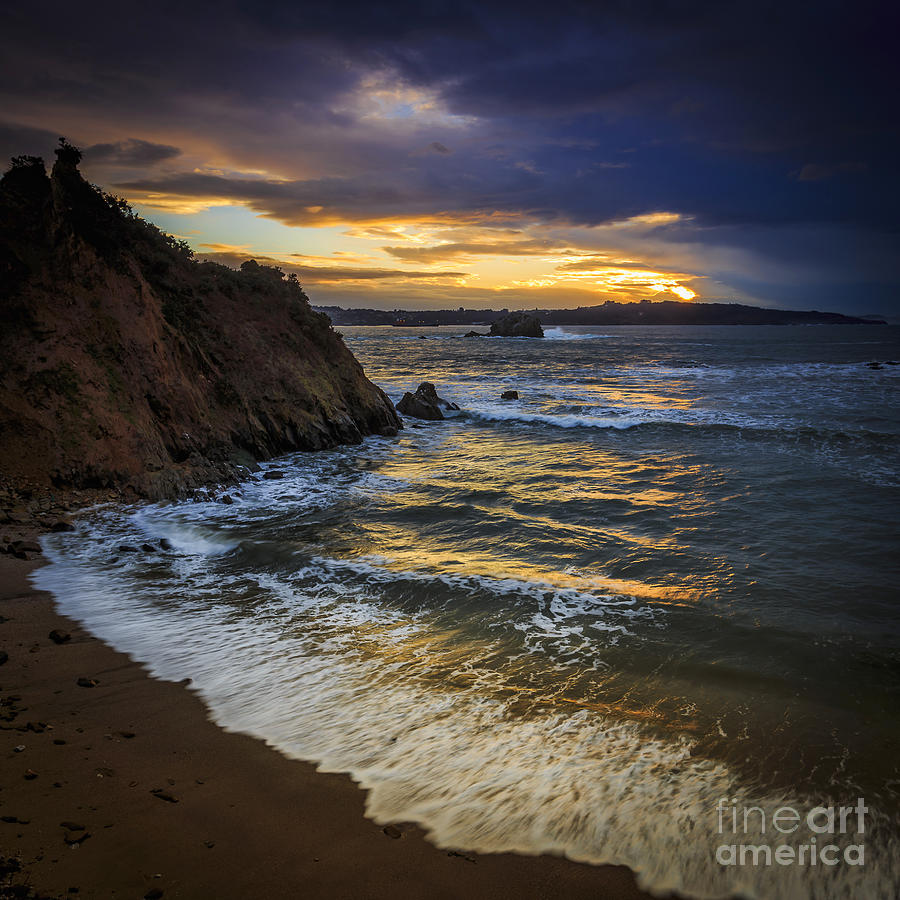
[(560, 334), (624, 417), (346, 685)]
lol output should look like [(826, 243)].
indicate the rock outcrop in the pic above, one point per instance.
[(424, 403), (126, 364), (517, 324)]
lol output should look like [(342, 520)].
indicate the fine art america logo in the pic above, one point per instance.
[(760, 838)]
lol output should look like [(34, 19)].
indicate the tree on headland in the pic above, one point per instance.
[(27, 162), (67, 154)]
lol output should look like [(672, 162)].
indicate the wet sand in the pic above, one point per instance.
[(126, 789)]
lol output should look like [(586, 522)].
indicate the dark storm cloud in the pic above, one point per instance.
[(407, 194), (743, 116), (330, 274), (16, 140), (131, 152), (440, 252)]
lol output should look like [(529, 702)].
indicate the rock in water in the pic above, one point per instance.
[(424, 403), (518, 324), (127, 364), (509, 395), (411, 405), (427, 391)]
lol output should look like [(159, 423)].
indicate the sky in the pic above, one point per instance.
[(484, 154)]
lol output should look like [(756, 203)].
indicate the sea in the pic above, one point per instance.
[(603, 621)]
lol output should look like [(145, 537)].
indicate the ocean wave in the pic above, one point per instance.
[(560, 334), (348, 686), (556, 611), (623, 418)]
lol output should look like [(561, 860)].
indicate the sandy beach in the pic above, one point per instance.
[(120, 786)]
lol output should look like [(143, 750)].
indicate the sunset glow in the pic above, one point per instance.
[(460, 160)]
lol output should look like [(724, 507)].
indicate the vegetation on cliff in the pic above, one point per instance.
[(125, 363)]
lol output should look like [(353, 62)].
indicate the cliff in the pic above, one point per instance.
[(126, 364)]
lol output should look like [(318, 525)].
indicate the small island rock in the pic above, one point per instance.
[(517, 324)]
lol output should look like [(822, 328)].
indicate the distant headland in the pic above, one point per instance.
[(666, 312)]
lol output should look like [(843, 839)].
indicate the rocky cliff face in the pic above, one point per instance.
[(126, 364)]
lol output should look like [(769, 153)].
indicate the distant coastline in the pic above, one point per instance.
[(667, 312)]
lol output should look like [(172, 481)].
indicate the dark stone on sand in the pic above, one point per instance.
[(30, 775), (517, 324), (71, 826), (271, 476), (424, 403), (392, 831), (62, 525), (73, 840), (160, 794), (59, 637), (4, 657), (26, 546), (153, 894), (87, 682), (509, 395)]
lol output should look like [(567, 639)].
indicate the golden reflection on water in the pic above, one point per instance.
[(550, 517), (629, 397), (490, 506), (447, 661)]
